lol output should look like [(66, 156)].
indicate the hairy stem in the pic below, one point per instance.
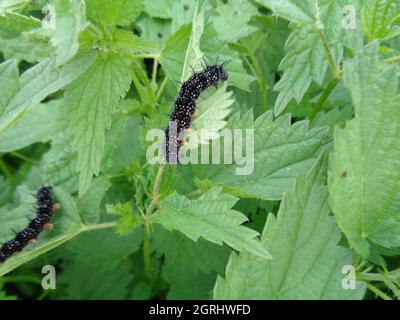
[(378, 292), (156, 190), (161, 89), (337, 73), (323, 98), (256, 69), (147, 252)]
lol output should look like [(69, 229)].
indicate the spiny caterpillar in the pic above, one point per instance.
[(44, 212), (185, 107)]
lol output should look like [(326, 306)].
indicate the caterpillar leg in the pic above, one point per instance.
[(48, 226), (55, 207)]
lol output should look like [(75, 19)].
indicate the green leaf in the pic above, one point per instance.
[(294, 10), (59, 164), (125, 42), (89, 203), (98, 268), (282, 152), (9, 83), (85, 283), (211, 218), (129, 220), (159, 8), (303, 240), (40, 81), (233, 19), (212, 110), (92, 99), (13, 5), (35, 125), (305, 60), (70, 21), (334, 117), (174, 52), (379, 19), (182, 253), (114, 12), (103, 250), (365, 170), (214, 48), (21, 37)]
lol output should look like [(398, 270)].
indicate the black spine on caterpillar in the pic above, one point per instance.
[(185, 106), (44, 213)]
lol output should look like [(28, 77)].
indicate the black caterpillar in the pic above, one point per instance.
[(185, 106), (44, 212)]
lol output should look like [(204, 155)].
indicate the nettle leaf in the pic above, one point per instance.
[(334, 117), (21, 38), (66, 221), (89, 203), (233, 19), (85, 283), (282, 152), (114, 12), (125, 42), (9, 82), (174, 52), (303, 240), (13, 5), (215, 49), (99, 268), (305, 60), (103, 249), (92, 98), (215, 105), (209, 217), (40, 81), (212, 110), (184, 254), (58, 165), (70, 21), (38, 124), (294, 10), (379, 19), (365, 170), (159, 8), (128, 221)]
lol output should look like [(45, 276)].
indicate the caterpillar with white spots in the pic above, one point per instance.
[(185, 107), (44, 212)]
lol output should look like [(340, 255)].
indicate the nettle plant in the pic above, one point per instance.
[(82, 83)]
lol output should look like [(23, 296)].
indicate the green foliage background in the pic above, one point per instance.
[(316, 80)]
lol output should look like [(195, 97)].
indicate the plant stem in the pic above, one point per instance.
[(155, 68), (161, 89), (99, 226), (337, 73), (378, 292), (21, 278), (22, 157), (323, 98), (147, 252), (146, 231), (392, 59), (256, 69), (7, 172), (156, 190), (145, 56), (391, 276)]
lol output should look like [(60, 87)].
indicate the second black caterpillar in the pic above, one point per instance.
[(185, 106), (44, 212)]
